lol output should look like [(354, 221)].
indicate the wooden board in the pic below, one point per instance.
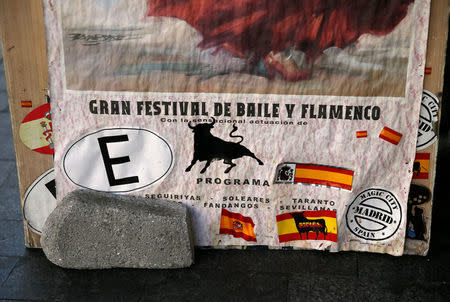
[(433, 82), (25, 59)]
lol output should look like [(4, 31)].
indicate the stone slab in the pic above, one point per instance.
[(92, 230)]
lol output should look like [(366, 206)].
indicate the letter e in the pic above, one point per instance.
[(109, 162)]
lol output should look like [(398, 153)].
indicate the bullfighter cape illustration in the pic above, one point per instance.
[(262, 29)]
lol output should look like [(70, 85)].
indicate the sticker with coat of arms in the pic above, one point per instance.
[(36, 130), (285, 173)]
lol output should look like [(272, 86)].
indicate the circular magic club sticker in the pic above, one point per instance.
[(375, 214), (36, 130)]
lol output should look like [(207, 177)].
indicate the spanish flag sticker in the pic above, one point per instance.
[(237, 225), (324, 175), (315, 174), (421, 166), (307, 225), (361, 134), (390, 135), (26, 104)]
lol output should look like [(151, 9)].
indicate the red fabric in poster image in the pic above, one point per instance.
[(262, 30)]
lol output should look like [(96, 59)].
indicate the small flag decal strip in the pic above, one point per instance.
[(324, 175), (428, 70), (390, 135), (26, 104), (361, 134), (307, 225), (237, 225), (421, 166)]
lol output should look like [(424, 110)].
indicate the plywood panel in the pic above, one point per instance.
[(433, 82), (25, 59)]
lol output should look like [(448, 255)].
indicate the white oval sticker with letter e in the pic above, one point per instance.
[(118, 160)]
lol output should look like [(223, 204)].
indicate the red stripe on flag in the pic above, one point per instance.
[(324, 168), (237, 234), (311, 236), (323, 213), (45, 150), (422, 155), (237, 216), (323, 182), (421, 175), (284, 216)]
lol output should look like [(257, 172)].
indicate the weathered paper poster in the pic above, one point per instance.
[(277, 123)]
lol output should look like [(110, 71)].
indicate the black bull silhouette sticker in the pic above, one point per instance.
[(305, 225), (207, 147)]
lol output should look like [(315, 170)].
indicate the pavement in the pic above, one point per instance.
[(227, 275)]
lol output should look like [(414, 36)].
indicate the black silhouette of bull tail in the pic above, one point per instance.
[(236, 136), (252, 155)]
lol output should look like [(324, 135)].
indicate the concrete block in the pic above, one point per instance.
[(92, 230)]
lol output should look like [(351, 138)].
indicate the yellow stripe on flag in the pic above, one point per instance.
[(324, 175), (391, 135), (286, 226), (424, 164)]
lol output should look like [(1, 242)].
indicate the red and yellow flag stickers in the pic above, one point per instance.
[(237, 225), (315, 174), (36, 130), (307, 225), (361, 134), (421, 166), (390, 135), (26, 104)]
